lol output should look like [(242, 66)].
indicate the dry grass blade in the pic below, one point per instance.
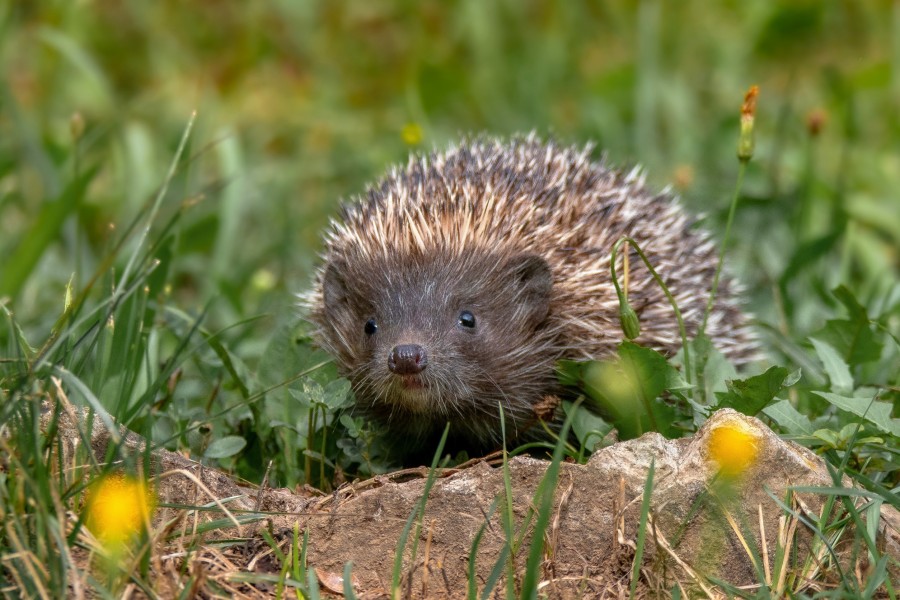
[(32, 566), (207, 491), (697, 579), (786, 539), (553, 533), (765, 546), (427, 559), (737, 532)]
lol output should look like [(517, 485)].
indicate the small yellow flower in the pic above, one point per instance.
[(412, 134), (118, 507), (734, 447)]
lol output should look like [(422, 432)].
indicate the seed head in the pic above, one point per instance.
[(748, 113)]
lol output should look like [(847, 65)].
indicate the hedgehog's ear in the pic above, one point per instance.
[(534, 280)]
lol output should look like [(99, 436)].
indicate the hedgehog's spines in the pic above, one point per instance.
[(456, 217)]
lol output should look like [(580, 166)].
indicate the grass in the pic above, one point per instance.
[(151, 257)]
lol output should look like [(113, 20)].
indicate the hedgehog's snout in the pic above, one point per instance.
[(407, 359)]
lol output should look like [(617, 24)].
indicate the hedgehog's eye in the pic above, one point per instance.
[(466, 319), (371, 327)]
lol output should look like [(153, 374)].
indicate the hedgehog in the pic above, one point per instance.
[(455, 284)]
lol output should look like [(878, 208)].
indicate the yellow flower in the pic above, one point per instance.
[(412, 134), (734, 447), (118, 507)]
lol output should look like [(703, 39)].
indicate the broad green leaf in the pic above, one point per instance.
[(587, 426), (852, 338), (352, 425), (570, 372), (337, 394), (310, 394), (837, 370), (850, 429), (625, 391), (648, 369), (854, 308), (751, 395), (877, 413), (784, 413), (793, 377), (225, 447), (828, 436)]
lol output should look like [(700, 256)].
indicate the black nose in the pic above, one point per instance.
[(407, 359)]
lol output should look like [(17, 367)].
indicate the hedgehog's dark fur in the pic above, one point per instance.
[(519, 235)]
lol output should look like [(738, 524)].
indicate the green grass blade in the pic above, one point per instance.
[(416, 515), (545, 492), (642, 530), (43, 232), (154, 209), (472, 592), (312, 583), (349, 592)]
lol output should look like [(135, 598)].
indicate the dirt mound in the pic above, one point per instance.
[(722, 508)]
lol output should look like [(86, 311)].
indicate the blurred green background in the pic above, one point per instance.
[(300, 103)]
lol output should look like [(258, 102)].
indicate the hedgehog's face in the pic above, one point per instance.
[(432, 340)]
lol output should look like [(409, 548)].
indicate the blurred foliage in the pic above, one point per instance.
[(299, 104)]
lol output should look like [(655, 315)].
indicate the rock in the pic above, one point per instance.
[(705, 524)]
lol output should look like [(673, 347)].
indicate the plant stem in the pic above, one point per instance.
[(665, 289), (722, 247)]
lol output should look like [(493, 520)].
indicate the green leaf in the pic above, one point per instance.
[(353, 426), (156, 281), (793, 421), (648, 369), (625, 391), (20, 263), (852, 338), (877, 413), (751, 395), (310, 394), (846, 297), (337, 394), (849, 430), (716, 369), (792, 378), (828, 436), (837, 370), (806, 254), (225, 447), (25, 349), (588, 428), (571, 372)]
